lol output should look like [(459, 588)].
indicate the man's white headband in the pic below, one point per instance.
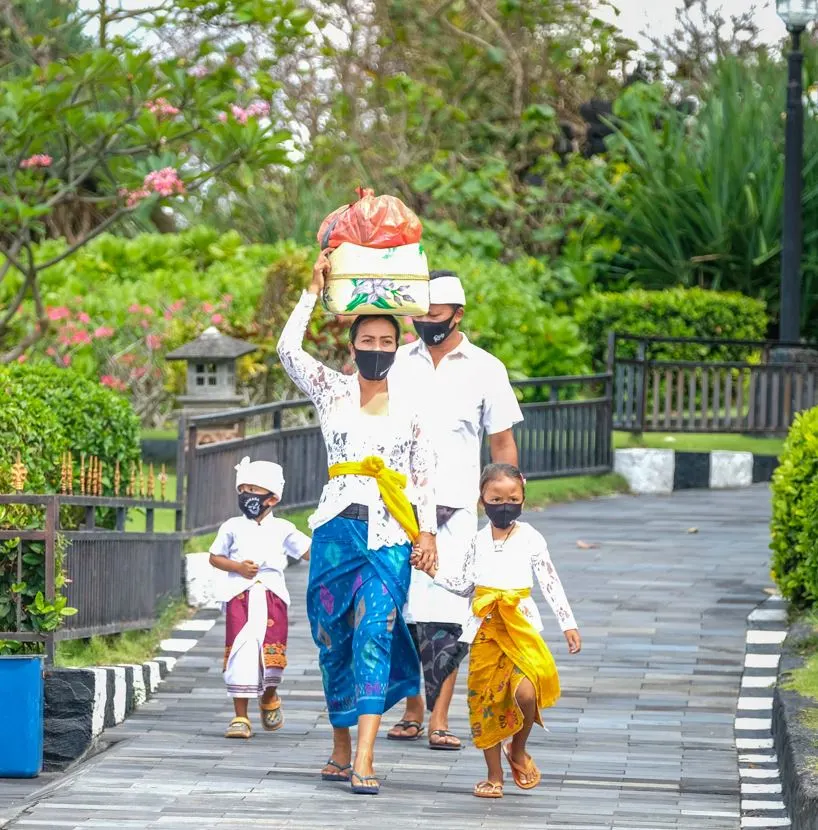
[(446, 290)]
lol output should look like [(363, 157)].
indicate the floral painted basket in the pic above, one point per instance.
[(378, 281)]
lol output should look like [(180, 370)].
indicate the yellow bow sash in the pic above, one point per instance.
[(391, 486), (489, 600)]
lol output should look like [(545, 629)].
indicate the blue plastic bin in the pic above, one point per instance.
[(21, 716)]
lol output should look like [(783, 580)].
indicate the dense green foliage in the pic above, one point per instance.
[(795, 513)]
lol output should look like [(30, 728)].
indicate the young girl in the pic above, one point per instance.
[(512, 675), (252, 550)]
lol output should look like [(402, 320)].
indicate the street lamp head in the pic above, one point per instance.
[(797, 14)]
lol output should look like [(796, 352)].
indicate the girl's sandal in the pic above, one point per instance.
[(526, 778), (239, 728), (485, 789), (271, 715)]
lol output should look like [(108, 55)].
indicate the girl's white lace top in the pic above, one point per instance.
[(351, 435), (509, 566)]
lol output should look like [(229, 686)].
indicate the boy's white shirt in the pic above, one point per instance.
[(267, 543)]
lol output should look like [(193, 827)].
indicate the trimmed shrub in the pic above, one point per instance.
[(795, 513), (675, 312)]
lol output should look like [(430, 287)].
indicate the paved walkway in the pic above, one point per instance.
[(642, 738)]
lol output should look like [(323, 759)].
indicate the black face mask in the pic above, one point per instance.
[(252, 504), (373, 365), (433, 334), (503, 515)]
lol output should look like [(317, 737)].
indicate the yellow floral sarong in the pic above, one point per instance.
[(505, 650), (391, 486)]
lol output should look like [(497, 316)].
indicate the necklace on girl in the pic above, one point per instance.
[(499, 544)]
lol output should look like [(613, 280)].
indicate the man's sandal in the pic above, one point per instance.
[(444, 744), (527, 777), (404, 725), (271, 716), (239, 728), (336, 776), (485, 789), (369, 784)]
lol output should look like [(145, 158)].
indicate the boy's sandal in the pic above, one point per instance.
[(444, 743), (271, 716), (369, 784), (336, 776), (239, 728), (485, 789), (403, 725), (527, 777)]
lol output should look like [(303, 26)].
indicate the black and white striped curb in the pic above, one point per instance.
[(762, 803)]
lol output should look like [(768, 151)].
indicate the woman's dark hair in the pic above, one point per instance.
[(494, 472), (362, 318)]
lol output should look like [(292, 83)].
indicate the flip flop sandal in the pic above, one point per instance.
[(271, 716), (530, 771), (239, 728), (404, 725), (363, 788), (336, 776), (485, 789), (443, 745)]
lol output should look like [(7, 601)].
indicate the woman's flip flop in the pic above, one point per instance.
[(485, 789), (271, 716), (404, 725), (239, 728), (444, 744), (364, 788), (530, 772), (336, 776)]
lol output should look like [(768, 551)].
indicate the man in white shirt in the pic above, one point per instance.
[(463, 392)]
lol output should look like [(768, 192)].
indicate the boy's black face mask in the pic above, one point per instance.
[(252, 504)]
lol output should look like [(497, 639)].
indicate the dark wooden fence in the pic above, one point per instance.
[(760, 393), (117, 579), (566, 431)]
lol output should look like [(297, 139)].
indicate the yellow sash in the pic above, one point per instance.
[(391, 485)]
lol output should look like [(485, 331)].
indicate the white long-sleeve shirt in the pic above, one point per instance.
[(509, 566), (352, 435)]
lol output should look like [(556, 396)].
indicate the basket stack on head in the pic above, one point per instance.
[(378, 263)]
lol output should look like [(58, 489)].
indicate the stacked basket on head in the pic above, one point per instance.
[(378, 263)]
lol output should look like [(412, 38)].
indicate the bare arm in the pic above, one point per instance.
[(247, 569), (503, 448)]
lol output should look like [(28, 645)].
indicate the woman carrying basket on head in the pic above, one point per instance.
[(377, 504)]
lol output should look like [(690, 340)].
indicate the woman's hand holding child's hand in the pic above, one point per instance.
[(574, 641), (248, 569)]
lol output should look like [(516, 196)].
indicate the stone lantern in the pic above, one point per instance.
[(211, 371)]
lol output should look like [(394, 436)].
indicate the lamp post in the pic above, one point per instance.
[(796, 14)]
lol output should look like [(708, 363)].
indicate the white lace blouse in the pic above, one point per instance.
[(510, 566), (352, 435)]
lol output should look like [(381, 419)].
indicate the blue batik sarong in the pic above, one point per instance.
[(355, 601)]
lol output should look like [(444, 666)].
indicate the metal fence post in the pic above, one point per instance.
[(52, 513), (180, 471), (641, 388)]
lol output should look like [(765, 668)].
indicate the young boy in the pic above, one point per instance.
[(252, 550)]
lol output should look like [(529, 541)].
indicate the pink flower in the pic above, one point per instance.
[(57, 313), (168, 315), (37, 160), (177, 306), (258, 109), (153, 341), (223, 117), (208, 308), (227, 299), (165, 182), (83, 317), (104, 331), (22, 358), (135, 308), (145, 324), (409, 337), (148, 311), (66, 360), (239, 114), (51, 351), (139, 372), (136, 196), (161, 108), (81, 337), (199, 71), (112, 382), (216, 319)]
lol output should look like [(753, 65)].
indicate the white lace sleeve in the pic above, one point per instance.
[(308, 374), (461, 583), (422, 466), (551, 586)]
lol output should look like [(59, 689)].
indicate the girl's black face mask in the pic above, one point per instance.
[(373, 365), (503, 515)]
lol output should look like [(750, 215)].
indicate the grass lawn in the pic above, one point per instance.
[(130, 647), (699, 442)]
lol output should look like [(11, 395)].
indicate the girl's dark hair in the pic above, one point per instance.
[(362, 318), (494, 472)]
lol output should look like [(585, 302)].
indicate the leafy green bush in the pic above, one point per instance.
[(675, 312), (795, 513)]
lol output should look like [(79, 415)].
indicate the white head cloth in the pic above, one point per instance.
[(264, 474), (446, 291)]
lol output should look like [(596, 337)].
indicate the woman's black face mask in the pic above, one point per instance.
[(373, 364), (503, 515)]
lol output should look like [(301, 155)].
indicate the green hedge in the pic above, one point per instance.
[(795, 513), (675, 312)]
